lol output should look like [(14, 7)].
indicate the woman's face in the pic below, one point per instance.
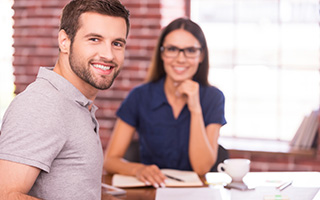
[(181, 55)]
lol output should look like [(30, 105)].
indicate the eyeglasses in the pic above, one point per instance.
[(172, 51)]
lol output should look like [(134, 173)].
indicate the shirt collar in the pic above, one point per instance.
[(158, 95), (63, 86)]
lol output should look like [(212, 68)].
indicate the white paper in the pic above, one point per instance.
[(293, 193), (190, 179), (305, 185), (317, 197), (188, 193), (112, 190)]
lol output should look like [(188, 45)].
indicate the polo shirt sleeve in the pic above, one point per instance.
[(213, 103), (31, 132), (128, 111)]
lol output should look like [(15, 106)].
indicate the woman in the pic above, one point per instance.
[(176, 113)]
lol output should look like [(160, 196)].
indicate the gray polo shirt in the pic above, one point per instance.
[(49, 126)]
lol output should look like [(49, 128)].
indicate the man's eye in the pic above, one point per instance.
[(172, 49), (94, 39), (118, 44)]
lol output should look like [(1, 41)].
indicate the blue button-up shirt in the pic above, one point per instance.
[(164, 140)]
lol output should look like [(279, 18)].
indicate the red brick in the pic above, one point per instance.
[(38, 3), (25, 70)]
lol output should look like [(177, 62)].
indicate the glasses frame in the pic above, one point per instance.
[(163, 48)]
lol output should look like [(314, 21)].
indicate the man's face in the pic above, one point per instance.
[(97, 52)]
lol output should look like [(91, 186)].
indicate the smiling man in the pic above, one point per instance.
[(49, 144)]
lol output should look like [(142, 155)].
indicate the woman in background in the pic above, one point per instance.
[(177, 113)]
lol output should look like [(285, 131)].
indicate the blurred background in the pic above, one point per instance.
[(264, 56)]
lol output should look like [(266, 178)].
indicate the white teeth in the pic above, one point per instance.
[(179, 69), (101, 67)]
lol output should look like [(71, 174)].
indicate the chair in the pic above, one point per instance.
[(222, 155), (133, 154)]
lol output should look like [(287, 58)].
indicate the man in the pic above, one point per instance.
[(49, 143)]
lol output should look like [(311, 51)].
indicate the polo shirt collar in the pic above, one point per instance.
[(158, 95), (63, 86)]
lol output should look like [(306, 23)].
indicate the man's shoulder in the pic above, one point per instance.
[(38, 91), (38, 99)]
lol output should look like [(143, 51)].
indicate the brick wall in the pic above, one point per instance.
[(35, 38), (36, 24)]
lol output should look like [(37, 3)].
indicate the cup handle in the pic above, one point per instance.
[(221, 167)]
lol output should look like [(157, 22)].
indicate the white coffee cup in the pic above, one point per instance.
[(236, 168)]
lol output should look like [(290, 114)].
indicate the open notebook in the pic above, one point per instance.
[(189, 179)]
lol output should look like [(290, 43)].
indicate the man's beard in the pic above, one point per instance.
[(83, 71)]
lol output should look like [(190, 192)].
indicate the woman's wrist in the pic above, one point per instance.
[(136, 171), (195, 110)]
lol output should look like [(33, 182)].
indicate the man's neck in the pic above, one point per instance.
[(64, 70)]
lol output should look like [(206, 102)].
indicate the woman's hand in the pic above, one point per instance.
[(190, 89), (151, 175)]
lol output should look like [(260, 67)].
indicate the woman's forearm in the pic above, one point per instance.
[(202, 145), (114, 165)]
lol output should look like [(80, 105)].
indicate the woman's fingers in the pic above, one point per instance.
[(190, 89), (151, 175)]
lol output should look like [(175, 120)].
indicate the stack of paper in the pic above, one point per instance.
[(306, 132)]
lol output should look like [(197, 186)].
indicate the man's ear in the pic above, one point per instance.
[(64, 41)]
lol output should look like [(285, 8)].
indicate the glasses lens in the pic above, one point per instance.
[(191, 52), (171, 51)]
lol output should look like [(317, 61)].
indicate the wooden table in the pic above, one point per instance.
[(260, 180), (140, 193), (145, 193)]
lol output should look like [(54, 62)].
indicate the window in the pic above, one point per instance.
[(6, 51), (264, 56)]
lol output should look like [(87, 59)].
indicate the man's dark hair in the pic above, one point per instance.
[(69, 21)]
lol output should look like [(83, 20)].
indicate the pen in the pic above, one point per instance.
[(174, 178), (285, 185)]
